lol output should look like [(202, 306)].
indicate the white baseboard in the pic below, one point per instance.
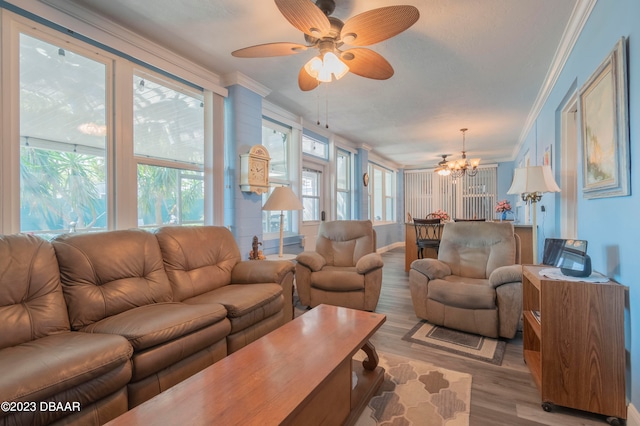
[(633, 416), (391, 247)]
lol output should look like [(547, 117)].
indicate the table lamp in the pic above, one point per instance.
[(282, 198), (531, 182)]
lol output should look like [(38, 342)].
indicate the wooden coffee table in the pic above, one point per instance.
[(300, 373)]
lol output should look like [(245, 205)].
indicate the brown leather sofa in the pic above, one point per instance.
[(111, 319), (41, 360)]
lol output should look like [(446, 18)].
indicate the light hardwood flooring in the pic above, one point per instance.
[(500, 395)]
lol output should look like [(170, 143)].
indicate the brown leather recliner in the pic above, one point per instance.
[(115, 283), (475, 285), (41, 360), (204, 266), (345, 269)]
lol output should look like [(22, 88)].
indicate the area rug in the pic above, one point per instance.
[(465, 344), (418, 393)]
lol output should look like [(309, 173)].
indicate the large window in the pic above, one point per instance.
[(98, 149), (168, 129), (382, 194), (275, 138), (343, 185), (63, 137)]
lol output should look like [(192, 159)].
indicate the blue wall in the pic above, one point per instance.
[(609, 224)]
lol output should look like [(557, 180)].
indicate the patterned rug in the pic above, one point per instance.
[(465, 344), (418, 393)]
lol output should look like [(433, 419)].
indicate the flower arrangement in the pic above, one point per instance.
[(440, 214), (503, 206)]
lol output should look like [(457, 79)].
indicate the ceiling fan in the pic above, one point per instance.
[(329, 34)]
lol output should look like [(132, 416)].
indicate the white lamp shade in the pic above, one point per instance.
[(527, 180), (283, 199)]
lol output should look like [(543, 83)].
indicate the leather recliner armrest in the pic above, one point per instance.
[(261, 271), (369, 262), (505, 274), (431, 268), (311, 260)]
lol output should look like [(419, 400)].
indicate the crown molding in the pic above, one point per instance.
[(240, 79), (572, 31)]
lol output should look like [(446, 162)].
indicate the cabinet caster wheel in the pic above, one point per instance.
[(614, 421), (547, 406)]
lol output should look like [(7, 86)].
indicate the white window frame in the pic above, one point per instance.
[(275, 181), (348, 189), (388, 193), (122, 166)]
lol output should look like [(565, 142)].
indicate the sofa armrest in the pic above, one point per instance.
[(431, 268), (261, 271), (505, 274), (368, 263), (311, 260)]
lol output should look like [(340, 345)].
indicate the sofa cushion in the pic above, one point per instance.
[(156, 324), (333, 278), (461, 292), (107, 273), (37, 370), (31, 301), (197, 259), (246, 304)]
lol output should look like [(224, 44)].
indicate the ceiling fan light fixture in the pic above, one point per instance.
[(322, 68), (334, 65)]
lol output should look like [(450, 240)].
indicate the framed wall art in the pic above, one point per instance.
[(605, 128)]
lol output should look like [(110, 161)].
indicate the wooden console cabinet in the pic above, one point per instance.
[(575, 350)]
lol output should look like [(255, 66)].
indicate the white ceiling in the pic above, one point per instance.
[(466, 63)]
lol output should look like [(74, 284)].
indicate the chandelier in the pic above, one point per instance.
[(458, 168)]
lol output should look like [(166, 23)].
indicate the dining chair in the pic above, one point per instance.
[(427, 235)]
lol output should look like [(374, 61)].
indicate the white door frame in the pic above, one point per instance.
[(569, 169)]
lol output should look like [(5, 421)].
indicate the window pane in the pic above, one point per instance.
[(167, 124), (314, 147), (342, 170), (311, 195), (63, 130), (168, 196), (378, 195), (276, 143), (344, 206)]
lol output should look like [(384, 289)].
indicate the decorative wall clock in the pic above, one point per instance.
[(254, 170)]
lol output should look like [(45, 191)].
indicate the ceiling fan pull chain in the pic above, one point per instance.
[(318, 107), (326, 94)]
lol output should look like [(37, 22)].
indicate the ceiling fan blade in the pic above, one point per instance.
[(306, 82), (269, 49), (367, 63), (305, 16), (378, 24)]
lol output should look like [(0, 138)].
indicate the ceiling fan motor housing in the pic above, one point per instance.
[(327, 6)]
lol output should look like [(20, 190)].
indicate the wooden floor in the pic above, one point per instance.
[(500, 395)]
